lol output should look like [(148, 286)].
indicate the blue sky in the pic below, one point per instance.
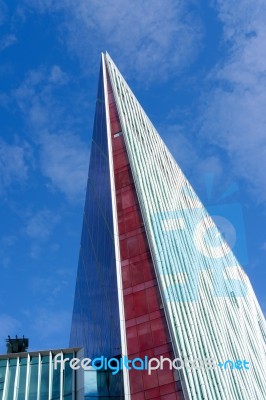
[(199, 71)]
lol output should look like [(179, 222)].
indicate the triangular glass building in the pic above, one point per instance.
[(155, 277)]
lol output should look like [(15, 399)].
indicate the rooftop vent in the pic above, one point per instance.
[(17, 345)]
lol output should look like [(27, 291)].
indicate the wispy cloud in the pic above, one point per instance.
[(3, 11), (13, 164), (50, 288), (140, 35), (51, 324), (41, 225), (233, 112), (39, 228), (7, 41), (9, 326), (7, 244), (190, 155), (263, 246), (64, 161), (37, 100), (49, 327), (63, 155), (57, 76)]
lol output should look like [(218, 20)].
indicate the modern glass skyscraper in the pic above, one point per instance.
[(155, 276)]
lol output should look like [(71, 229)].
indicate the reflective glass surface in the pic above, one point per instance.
[(95, 324), (102, 384), (68, 384), (56, 384), (22, 378), (2, 376), (10, 379), (44, 378), (33, 385), (24, 375)]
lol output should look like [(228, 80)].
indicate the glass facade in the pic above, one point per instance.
[(102, 385), (95, 324), (32, 376)]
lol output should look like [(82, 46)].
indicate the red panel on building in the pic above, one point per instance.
[(146, 327)]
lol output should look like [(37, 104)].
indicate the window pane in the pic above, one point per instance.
[(22, 378), (33, 378), (56, 383), (45, 378), (11, 380), (2, 376), (68, 376)]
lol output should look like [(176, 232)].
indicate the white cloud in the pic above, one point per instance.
[(234, 115), (13, 164), (64, 161), (44, 5), (9, 326), (49, 287), (35, 95), (7, 41), (4, 100), (139, 35), (63, 155), (3, 12), (8, 240), (263, 247), (190, 156), (51, 323), (41, 225), (7, 244), (57, 75)]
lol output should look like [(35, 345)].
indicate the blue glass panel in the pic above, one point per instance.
[(33, 386), (11, 380), (102, 384), (90, 383), (95, 323), (22, 378), (2, 375), (44, 378), (56, 383), (68, 377)]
